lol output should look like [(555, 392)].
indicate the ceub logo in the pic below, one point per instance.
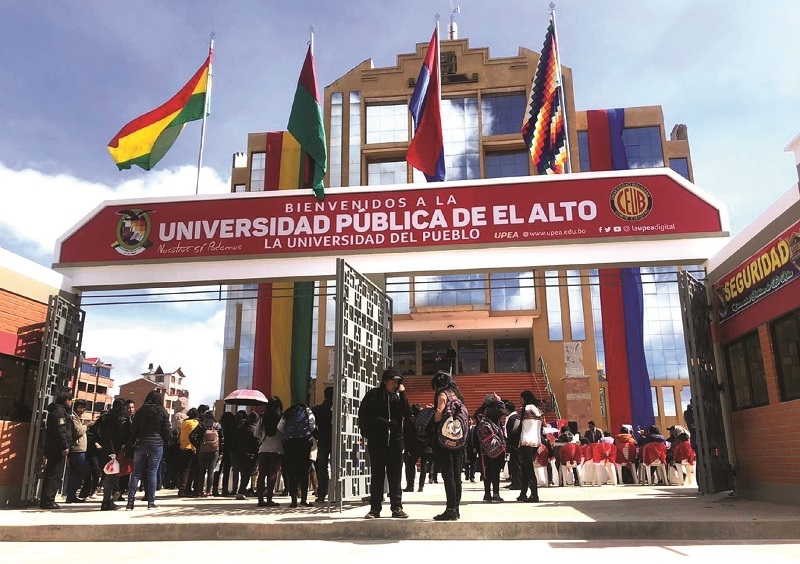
[(631, 201), (133, 232)]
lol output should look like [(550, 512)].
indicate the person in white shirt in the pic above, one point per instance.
[(530, 418)]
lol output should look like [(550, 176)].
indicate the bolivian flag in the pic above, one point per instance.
[(145, 140)]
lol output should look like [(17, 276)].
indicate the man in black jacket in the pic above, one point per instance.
[(380, 418), (57, 439)]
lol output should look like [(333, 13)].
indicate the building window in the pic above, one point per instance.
[(668, 394), (654, 395), (786, 347), (512, 355), (450, 290), (746, 372), (434, 356), (405, 357), (575, 298), (90, 388), (583, 151), (335, 157), (686, 398), (553, 296), (512, 291), (387, 172), (387, 123), (643, 147), (504, 165), (330, 314), (597, 324), (473, 357), (240, 188), (501, 113), (461, 143), (315, 331), (102, 390), (81, 386), (664, 347), (681, 166), (258, 166), (354, 144), (399, 289)]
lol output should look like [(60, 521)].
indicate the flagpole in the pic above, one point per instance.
[(205, 112), (559, 79), (439, 56)]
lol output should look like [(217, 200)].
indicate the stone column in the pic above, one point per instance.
[(577, 394)]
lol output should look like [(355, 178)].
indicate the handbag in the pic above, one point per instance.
[(124, 464), (112, 466)]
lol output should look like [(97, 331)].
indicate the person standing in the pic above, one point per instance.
[(593, 434), (270, 452), (448, 402), (78, 466), (246, 452), (323, 415), (186, 455), (297, 426), (530, 421), (380, 418), (57, 439), (112, 432), (150, 430), (208, 439)]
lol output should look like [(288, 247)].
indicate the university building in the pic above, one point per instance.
[(534, 328)]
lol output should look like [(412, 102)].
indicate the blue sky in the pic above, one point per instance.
[(74, 72)]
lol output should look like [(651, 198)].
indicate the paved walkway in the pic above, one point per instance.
[(571, 513)]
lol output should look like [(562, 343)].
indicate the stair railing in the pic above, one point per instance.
[(553, 400)]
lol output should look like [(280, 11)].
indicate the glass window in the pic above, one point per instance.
[(81, 386), (664, 347), (686, 397), (512, 355), (597, 324), (258, 164), (388, 172), (643, 147), (404, 357), (315, 331), (654, 395), (504, 165), (330, 313), (335, 157), (668, 393), (511, 291), (502, 113), (681, 166), (90, 388), (240, 188), (354, 162), (434, 356), (399, 289), (473, 357), (746, 372), (786, 347), (450, 290), (553, 296), (387, 123), (575, 299), (583, 150), (461, 144)]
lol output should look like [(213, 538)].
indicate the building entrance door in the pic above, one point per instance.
[(363, 350), (714, 470)]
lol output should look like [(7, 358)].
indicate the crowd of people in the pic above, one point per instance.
[(287, 452)]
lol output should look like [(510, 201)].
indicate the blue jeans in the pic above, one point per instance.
[(150, 455), (78, 470)]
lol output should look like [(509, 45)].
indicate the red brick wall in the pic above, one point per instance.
[(765, 437), (18, 312), (13, 447)]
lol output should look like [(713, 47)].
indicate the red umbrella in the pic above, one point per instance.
[(246, 397)]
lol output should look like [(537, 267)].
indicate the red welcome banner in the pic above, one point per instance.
[(529, 211)]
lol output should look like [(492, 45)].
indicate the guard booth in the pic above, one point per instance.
[(359, 235)]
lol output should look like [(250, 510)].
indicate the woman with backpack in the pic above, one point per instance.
[(207, 438), (491, 445), (270, 452), (297, 426), (450, 418)]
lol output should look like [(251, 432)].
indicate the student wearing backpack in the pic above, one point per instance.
[(380, 418), (297, 426), (492, 446), (451, 417), (207, 438)]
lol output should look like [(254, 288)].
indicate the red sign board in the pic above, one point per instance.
[(773, 267), (486, 213)]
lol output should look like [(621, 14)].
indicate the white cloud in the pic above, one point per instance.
[(38, 208)]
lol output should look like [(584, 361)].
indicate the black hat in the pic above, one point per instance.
[(63, 398), (392, 373)]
